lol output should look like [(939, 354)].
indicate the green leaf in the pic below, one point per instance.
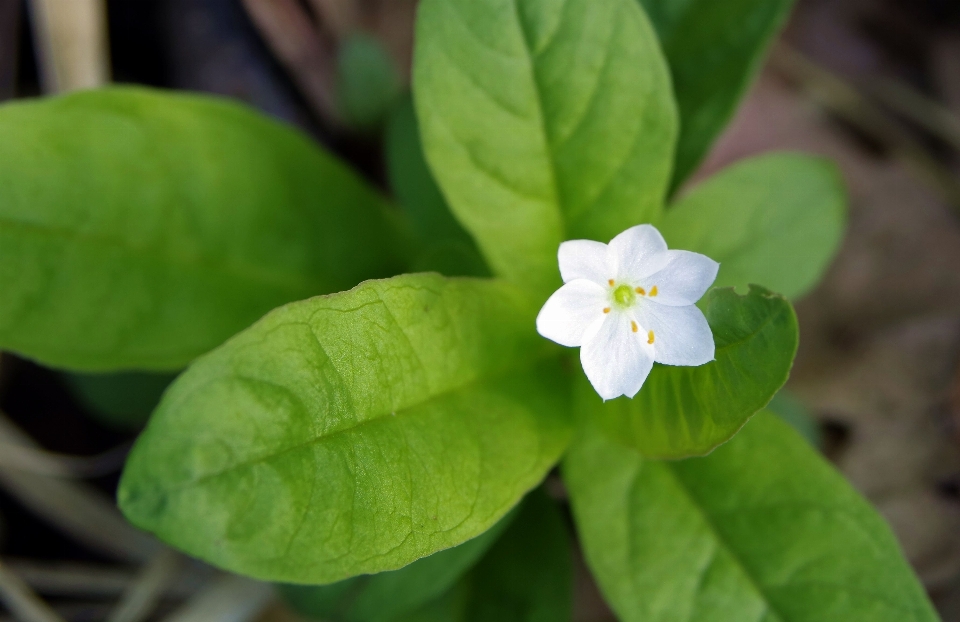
[(368, 82), (526, 577), (385, 596), (762, 529), (140, 229), (687, 411), (123, 400), (445, 246), (353, 433), (543, 120), (714, 49), (774, 220)]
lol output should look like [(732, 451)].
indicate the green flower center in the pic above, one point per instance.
[(624, 296)]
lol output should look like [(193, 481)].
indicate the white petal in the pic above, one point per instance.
[(681, 335), (684, 280), (570, 312), (616, 359), (637, 252), (584, 259)]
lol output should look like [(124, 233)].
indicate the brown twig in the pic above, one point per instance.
[(293, 37), (340, 17), (846, 102)]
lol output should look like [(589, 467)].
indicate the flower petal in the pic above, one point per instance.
[(681, 335), (584, 259), (637, 252), (616, 360), (683, 280), (571, 311)]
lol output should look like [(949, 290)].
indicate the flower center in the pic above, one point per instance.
[(624, 296)]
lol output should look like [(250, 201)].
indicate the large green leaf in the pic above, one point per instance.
[(714, 50), (353, 433), (389, 595), (526, 577), (687, 411), (543, 120), (140, 229), (444, 245), (762, 529), (775, 220)]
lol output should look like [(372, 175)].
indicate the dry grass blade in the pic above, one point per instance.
[(71, 40), (293, 37), (40, 462), (99, 580), (76, 509), (847, 103), (228, 599), (143, 594), (21, 601), (920, 109)]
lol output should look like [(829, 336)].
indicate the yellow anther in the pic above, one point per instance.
[(650, 337), (634, 326), (607, 310), (641, 291), (611, 282), (653, 290)]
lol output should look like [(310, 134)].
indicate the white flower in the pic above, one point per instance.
[(628, 304)]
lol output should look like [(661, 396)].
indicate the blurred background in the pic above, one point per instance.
[(872, 84)]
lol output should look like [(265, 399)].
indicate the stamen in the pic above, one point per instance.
[(653, 290), (641, 291), (611, 282), (634, 326), (607, 310), (650, 337)]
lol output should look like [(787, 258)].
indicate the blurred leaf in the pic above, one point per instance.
[(687, 411), (543, 120), (714, 49), (385, 596), (445, 246), (123, 400), (789, 408), (762, 529), (526, 577), (774, 220), (139, 229), (368, 82), (353, 433)]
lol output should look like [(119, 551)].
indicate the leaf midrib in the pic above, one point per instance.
[(475, 380)]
